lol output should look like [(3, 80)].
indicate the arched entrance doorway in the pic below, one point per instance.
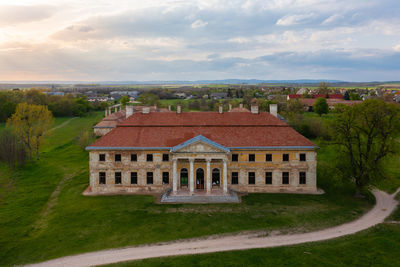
[(216, 177), (199, 178), (184, 177)]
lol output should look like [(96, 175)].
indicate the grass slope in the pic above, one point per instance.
[(379, 246), (45, 216)]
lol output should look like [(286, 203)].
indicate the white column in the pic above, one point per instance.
[(225, 177), (106, 113), (191, 176), (174, 176), (208, 177)]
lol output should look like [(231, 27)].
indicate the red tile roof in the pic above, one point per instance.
[(237, 129), (331, 96)]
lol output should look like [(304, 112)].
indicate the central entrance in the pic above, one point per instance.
[(199, 178)]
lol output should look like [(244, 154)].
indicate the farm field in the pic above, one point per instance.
[(43, 214)]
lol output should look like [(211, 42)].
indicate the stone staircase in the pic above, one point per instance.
[(231, 197)]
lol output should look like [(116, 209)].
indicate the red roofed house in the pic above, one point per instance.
[(206, 153)]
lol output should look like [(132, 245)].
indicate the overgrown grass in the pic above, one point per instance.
[(379, 246), (45, 216)]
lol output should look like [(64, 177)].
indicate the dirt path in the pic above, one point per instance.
[(61, 125), (385, 205)]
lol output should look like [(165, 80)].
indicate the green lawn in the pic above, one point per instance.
[(379, 246), (45, 216)]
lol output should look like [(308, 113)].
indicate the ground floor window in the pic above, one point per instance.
[(252, 177), (149, 177), (302, 177), (285, 177), (215, 177), (118, 178), (165, 177), (184, 177), (102, 178), (133, 177), (268, 178), (235, 178)]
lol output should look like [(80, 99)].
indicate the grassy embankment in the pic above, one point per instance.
[(43, 214)]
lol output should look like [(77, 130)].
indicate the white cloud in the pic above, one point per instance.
[(294, 19), (397, 47), (198, 24)]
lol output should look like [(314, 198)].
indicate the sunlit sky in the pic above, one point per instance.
[(121, 40)]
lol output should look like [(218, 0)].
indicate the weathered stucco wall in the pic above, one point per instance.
[(243, 166)]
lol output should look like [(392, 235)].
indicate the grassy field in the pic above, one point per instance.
[(43, 214), (379, 246)]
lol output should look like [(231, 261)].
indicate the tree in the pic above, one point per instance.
[(366, 134), (321, 106), (124, 100), (148, 99), (346, 95), (12, 151), (30, 123), (323, 88)]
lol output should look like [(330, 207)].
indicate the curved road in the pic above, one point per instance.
[(385, 205)]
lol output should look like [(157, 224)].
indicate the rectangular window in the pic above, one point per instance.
[(252, 157), (133, 157), (252, 177), (149, 157), (117, 157), (149, 177), (118, 178), (268, 178), (302, 178), (302, 157), (285, 177), (165, 157), (268, 157), (235, 157), (102, 178), (285, 157), (102, 157), (235, 177), (165, 177), (133, 177)]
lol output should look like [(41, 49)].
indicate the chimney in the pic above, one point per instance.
[(241, 105), (129, 111), (220, 109), (254, 109), (178, 109), (273, 109), (230, 107), (169, 107), (146, 110)]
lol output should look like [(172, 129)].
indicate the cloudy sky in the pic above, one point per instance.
[(98, 40)]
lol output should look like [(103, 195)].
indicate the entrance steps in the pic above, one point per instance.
[(184, 196)]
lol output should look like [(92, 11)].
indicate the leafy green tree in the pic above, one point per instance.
[(321, 106), (323, 88), (149, 99), (366, 135), (30, 123), (125, 100)]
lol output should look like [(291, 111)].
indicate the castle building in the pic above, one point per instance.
[(202, 153)]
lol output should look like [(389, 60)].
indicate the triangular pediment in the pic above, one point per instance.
[(200, 144)]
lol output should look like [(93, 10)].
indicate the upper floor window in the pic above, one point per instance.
[(252, 177), (235, 178), (117, 157), (268, 157), (235, 157), (252, 157), (102, 178), (102, 157), (285, 157), (118, 179), (285, 177), (302, 157), (133, 157), (133, 177), (165, 157), (149, 157), (149, 178), (302, 178), (165, 177), (268, 178)]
